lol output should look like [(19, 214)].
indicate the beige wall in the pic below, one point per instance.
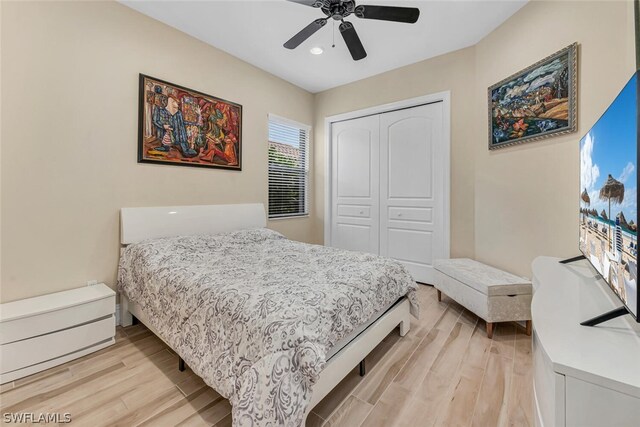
[(69, 97), (455, 72), (69, 136), (527, 196), (511, 205)]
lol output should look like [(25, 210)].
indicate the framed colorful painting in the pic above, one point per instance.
[(536, 103), (181, 126)]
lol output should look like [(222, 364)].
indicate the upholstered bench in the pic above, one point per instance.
[(492, 294)]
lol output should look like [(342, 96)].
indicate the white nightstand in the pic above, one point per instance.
[(45, 331)]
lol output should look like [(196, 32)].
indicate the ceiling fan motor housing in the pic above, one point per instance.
[(337, 9)]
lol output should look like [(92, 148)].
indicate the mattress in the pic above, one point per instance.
[(256, 315)]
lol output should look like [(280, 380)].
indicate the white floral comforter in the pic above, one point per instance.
[(255, 314)]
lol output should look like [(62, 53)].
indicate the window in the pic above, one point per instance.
[(288, 168)]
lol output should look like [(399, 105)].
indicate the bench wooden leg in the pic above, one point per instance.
[(489, 330), (439, 296), (529, 327)]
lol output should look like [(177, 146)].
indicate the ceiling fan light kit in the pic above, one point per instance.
[(340, 9)]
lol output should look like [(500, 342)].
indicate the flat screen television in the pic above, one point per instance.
[(609, 197)]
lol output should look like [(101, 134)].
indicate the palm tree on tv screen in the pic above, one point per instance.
[(587, 201), (612, 191)]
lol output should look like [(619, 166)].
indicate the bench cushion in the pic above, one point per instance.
[(485, 279)]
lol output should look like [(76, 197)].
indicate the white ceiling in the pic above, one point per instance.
[(254, 31)]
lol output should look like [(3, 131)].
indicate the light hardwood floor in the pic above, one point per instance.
[(444, 372)]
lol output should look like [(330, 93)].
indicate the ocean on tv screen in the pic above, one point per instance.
[(608, 196)]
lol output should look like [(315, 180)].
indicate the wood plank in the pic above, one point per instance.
[(46, 383), (182, 409), (520, 412), (492, 406), (6, 386), (477, 353), (504, 339), (351, 413), (37, 400), (136, 381), (458, 409), (376, 381), (389, 409), (314, 420), (140, 410), (225, 422), (108, 396), (39, 376), (341, 392), (191, 384), (100, 416), (105, 387), (430, 397), (210, 414), (418, 365)]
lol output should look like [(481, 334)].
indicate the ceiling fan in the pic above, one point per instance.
[(340, 9)]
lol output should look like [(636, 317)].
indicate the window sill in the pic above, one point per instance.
[(280, 218)]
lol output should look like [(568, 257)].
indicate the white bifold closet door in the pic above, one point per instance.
[(388, 184), (355, 182), (412, 188)]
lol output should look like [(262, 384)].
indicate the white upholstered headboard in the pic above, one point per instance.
[(137, 224)]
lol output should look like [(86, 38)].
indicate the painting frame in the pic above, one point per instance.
[(571, 54), (143, 137)]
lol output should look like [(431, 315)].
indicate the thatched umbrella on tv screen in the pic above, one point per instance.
[(587, 201), (612, 191)]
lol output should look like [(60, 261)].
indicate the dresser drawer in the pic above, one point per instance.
[(56, 320), (34, 350)]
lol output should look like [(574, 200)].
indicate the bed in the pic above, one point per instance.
[(271, 324)]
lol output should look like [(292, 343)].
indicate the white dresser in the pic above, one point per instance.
[(48, 330), (583, 376)]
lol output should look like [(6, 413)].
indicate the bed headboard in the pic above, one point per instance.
[(137, 224)]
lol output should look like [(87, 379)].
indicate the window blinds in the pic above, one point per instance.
[(288, 168)]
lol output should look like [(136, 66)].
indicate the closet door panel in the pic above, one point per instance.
[(354, 237), (411, 246), (406, 152), (412, 188), (355, 192), (353, 163)]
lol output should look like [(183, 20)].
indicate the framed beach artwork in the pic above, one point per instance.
[(536, 103), (181, 126)]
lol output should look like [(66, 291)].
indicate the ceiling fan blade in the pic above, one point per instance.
[(305, 33), (312, 3), (352, 40), (408, 15)]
